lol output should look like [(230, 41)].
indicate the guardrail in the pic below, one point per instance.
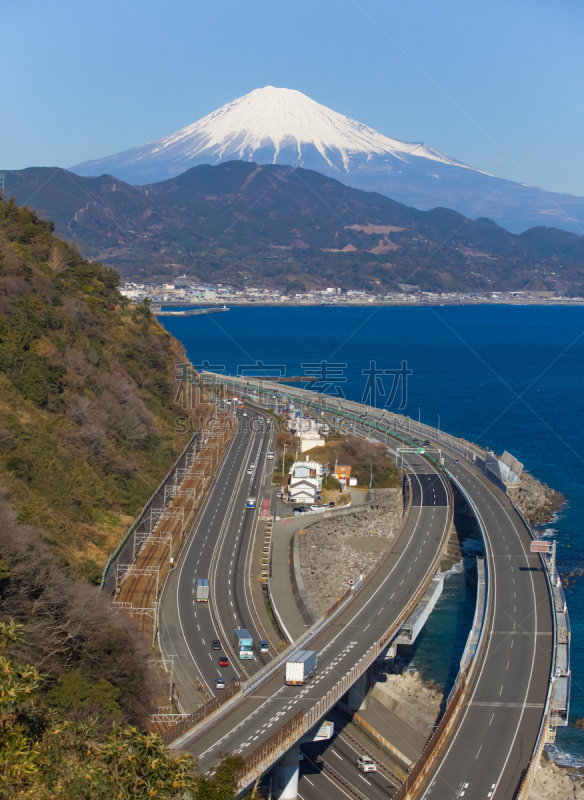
[(526, 782), (204, 712), (264, 756), (380, 740)]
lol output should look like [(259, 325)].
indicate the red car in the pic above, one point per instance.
[(223, 661)]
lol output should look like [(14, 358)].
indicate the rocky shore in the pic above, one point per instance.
[(561, 783), (536, 501), (337, 550)]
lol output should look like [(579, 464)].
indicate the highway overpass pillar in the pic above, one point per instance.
[(286, 783), (357, 696)]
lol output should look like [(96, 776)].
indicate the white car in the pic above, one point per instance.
[(315, 508), (366, 764)]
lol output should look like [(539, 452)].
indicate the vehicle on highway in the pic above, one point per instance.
[(260, 419), (250, 470), (220, 683), (223, 661), (216, 644), (250, 502), (243, 643), (456, 461), (426, 443), (270, 455), (240, 405), (300, 667), (202, 590), (263, 646), (366, 764), (245, 413)]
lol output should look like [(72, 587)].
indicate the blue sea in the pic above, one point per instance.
[(506, 377)]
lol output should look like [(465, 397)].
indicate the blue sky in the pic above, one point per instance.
[(499, 85)]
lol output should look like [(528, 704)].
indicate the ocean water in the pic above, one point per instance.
[(507, 377)]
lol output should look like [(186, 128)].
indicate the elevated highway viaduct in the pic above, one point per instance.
[(504, 707)]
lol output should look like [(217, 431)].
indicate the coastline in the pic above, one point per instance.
[(365, 304)]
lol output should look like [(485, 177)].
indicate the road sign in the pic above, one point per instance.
[(540, 547), (420, 450)]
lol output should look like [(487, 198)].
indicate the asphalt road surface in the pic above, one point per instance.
[(498, 731), (341, 645), (223, 529)]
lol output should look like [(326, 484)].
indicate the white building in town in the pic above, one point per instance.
[(305, 481)]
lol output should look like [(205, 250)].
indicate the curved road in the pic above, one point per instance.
[(342, 643)]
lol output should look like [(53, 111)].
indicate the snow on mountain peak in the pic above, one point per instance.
[(278, 118), (281, 126)]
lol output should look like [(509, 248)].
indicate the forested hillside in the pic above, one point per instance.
[(87, 391), (86, 433)]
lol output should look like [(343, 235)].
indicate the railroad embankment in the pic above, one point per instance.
[(337, 550)]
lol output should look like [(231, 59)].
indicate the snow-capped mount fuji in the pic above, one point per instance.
[(268, 126), (283, 126)]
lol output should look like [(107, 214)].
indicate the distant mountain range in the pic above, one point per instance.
[(243, 224), (283, 126)]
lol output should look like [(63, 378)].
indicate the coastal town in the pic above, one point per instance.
[(184, 291)]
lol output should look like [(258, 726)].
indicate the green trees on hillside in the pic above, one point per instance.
[(87, 389)]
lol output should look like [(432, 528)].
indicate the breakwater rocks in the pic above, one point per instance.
[(340, 549), (561, 783), (536, 501)]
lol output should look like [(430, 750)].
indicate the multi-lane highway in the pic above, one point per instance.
[(356, 630), (341, 754), (496, 735), (218, 551)]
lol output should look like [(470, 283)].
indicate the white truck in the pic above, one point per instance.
[(202, 590), (300, 667)]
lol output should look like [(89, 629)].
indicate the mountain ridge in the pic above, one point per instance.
[(285, 127), (248, 224)]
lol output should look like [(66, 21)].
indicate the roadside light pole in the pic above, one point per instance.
[(419, 415), (438, 422), (283, 461)]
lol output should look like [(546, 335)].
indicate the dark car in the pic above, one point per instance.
[(426, 443), (216, 644), (300, 509), (223, 661), (415, 441), (332, 504)]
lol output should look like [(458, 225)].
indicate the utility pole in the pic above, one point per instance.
[(1, 186)]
